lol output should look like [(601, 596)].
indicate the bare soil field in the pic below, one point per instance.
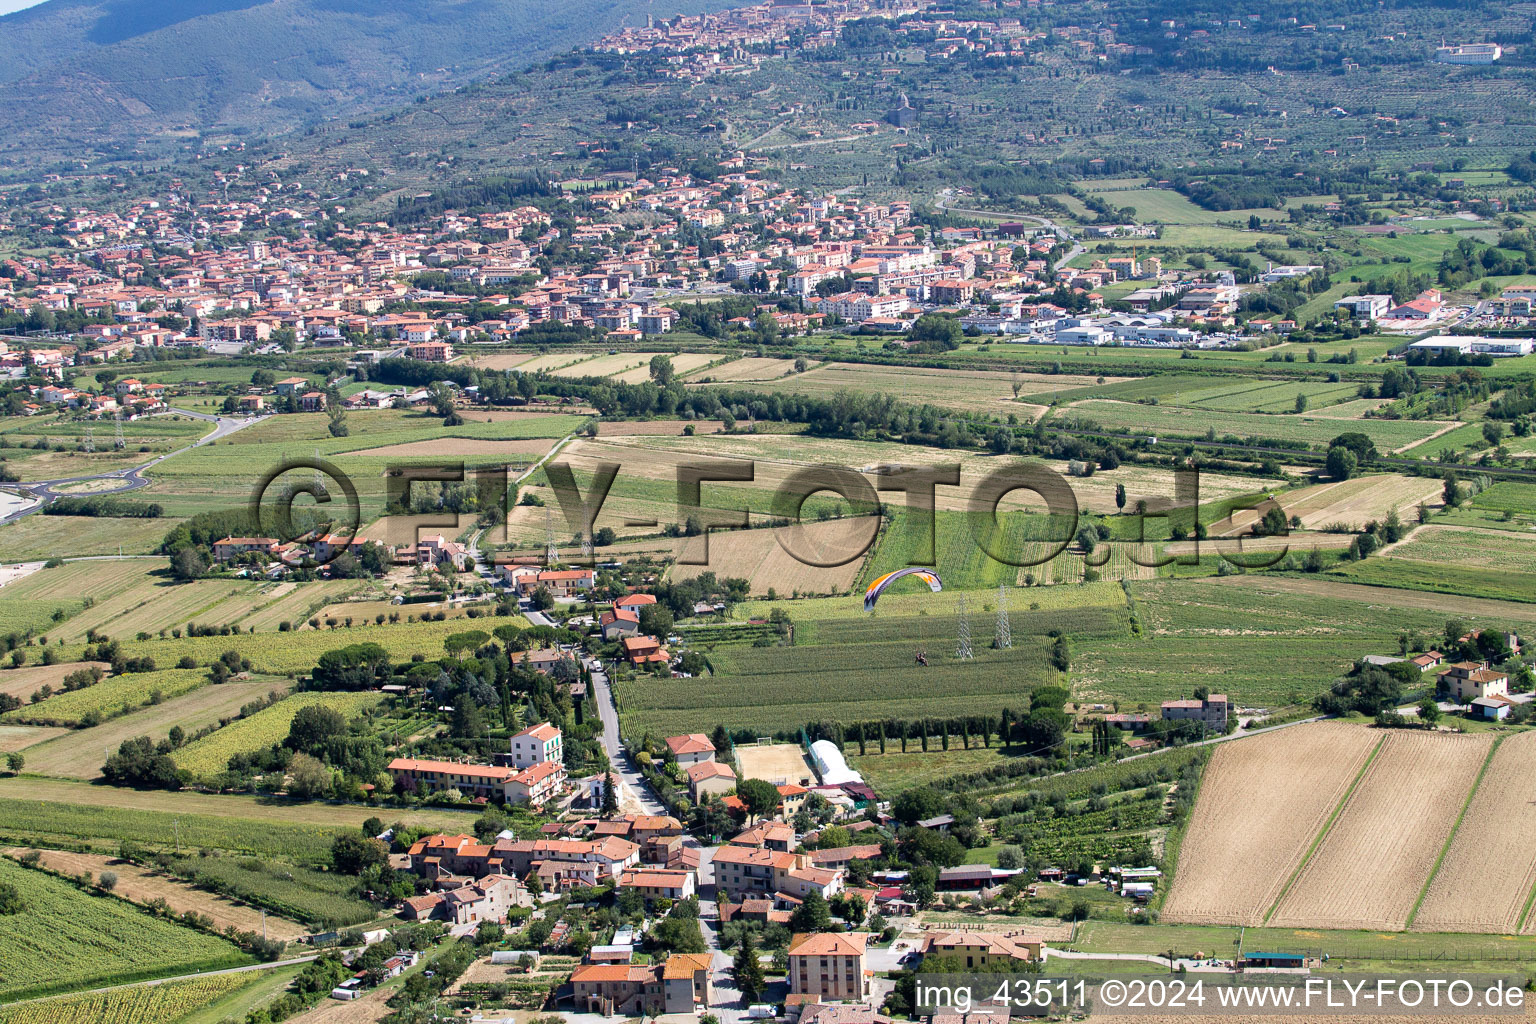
[(1235, 545), (749, 369), (1260, 804), (80, 753), (759, 556), (1464, 895), (605, 366), (141, 886), (1351, 502), (460, 446), (774, 762), (20, 737), (1369, 869), (683, 363), (607, 428), (20, 682), (553, 360), (501, 360)]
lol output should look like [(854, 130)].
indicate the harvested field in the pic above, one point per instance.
[(20, 682), (1464, 895), (20, 737), (774, 762), (1356, 502), (1501, 550), (292, 602), (79, 754), (749, 369), (604, 366), (606, 428), (553, 361), (500, 360), (142, 886), (1237, 546), (1369, 869), (464, 446), (682, 363), (759, 556), (1262, 801)]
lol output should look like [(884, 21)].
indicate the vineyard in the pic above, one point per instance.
[(142, 1004), (117, 695), (210, 755), (314, 897), (44, 823), (67, 939), (297, 651)]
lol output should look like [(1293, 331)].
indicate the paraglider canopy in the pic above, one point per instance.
[(877, 588)]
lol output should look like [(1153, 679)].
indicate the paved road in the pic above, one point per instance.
[(613, 745), (133, 477)]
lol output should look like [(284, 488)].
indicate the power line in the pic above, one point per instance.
[(1003, 640), (962, 630)]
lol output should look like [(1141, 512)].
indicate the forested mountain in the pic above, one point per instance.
[(77, 68)]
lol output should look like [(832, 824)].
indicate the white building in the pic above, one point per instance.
[(1365, 307), (1469, 53), (536, 745)]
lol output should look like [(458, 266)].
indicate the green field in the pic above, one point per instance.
[(210, 755), (319, 898), (1508, 496), (1302, 429), (299, 650), (1263, 647), (113, 696), (45, 812), (1440, 578), (224, 474), (67, 939), (169, 1003), (853, 668), (40, 537)]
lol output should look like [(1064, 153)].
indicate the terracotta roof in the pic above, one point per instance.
[(692, 743), (828, 944)]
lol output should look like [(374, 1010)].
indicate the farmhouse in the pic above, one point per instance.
[(486, 900), (983, 950), (231, 547), (1468, 680), (1212, 710)]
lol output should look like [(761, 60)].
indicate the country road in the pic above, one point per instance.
[(133, 477)]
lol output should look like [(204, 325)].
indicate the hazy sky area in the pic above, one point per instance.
[(11, 6)]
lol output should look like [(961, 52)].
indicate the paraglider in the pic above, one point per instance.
[(877, 588)]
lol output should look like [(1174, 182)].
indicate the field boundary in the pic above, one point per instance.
[(1525, 912), (1455, 828), (1323, 832)]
